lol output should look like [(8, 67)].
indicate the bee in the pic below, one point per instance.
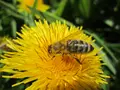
[(70, 46)]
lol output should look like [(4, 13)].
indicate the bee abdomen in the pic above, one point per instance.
[(85, 48), (79, 46), (90, 48)]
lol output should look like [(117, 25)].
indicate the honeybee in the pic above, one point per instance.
[(71, 46)]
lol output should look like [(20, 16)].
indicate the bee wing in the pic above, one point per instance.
[(71, 36)]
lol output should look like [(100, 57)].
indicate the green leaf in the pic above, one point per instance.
[(105, 87), (49, 16), (60, 8), (85, 7), (104, 45), (1, 27), (35, 3), (109, 22), (11, 9), (109, 62), (14, 28), (7, 5), (29, 19), (117, 45)]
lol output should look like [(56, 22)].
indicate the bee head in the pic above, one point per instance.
[(56, 48)]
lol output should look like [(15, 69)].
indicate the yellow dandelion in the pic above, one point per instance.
[(23, 5), (31, 61)]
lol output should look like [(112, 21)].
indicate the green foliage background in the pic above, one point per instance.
[(100, 18)]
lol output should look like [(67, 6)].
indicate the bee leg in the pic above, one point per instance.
[(63, 55), (77, 60), (52, 57), (80, 57)]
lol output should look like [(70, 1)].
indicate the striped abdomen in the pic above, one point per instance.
[(78, 46)]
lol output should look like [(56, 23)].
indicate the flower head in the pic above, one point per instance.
[(23, 5), (31, 60)]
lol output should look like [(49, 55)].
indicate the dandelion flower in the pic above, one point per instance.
[(23, 5), (31, 61)]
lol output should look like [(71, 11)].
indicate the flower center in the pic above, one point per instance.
[(63, 65)]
